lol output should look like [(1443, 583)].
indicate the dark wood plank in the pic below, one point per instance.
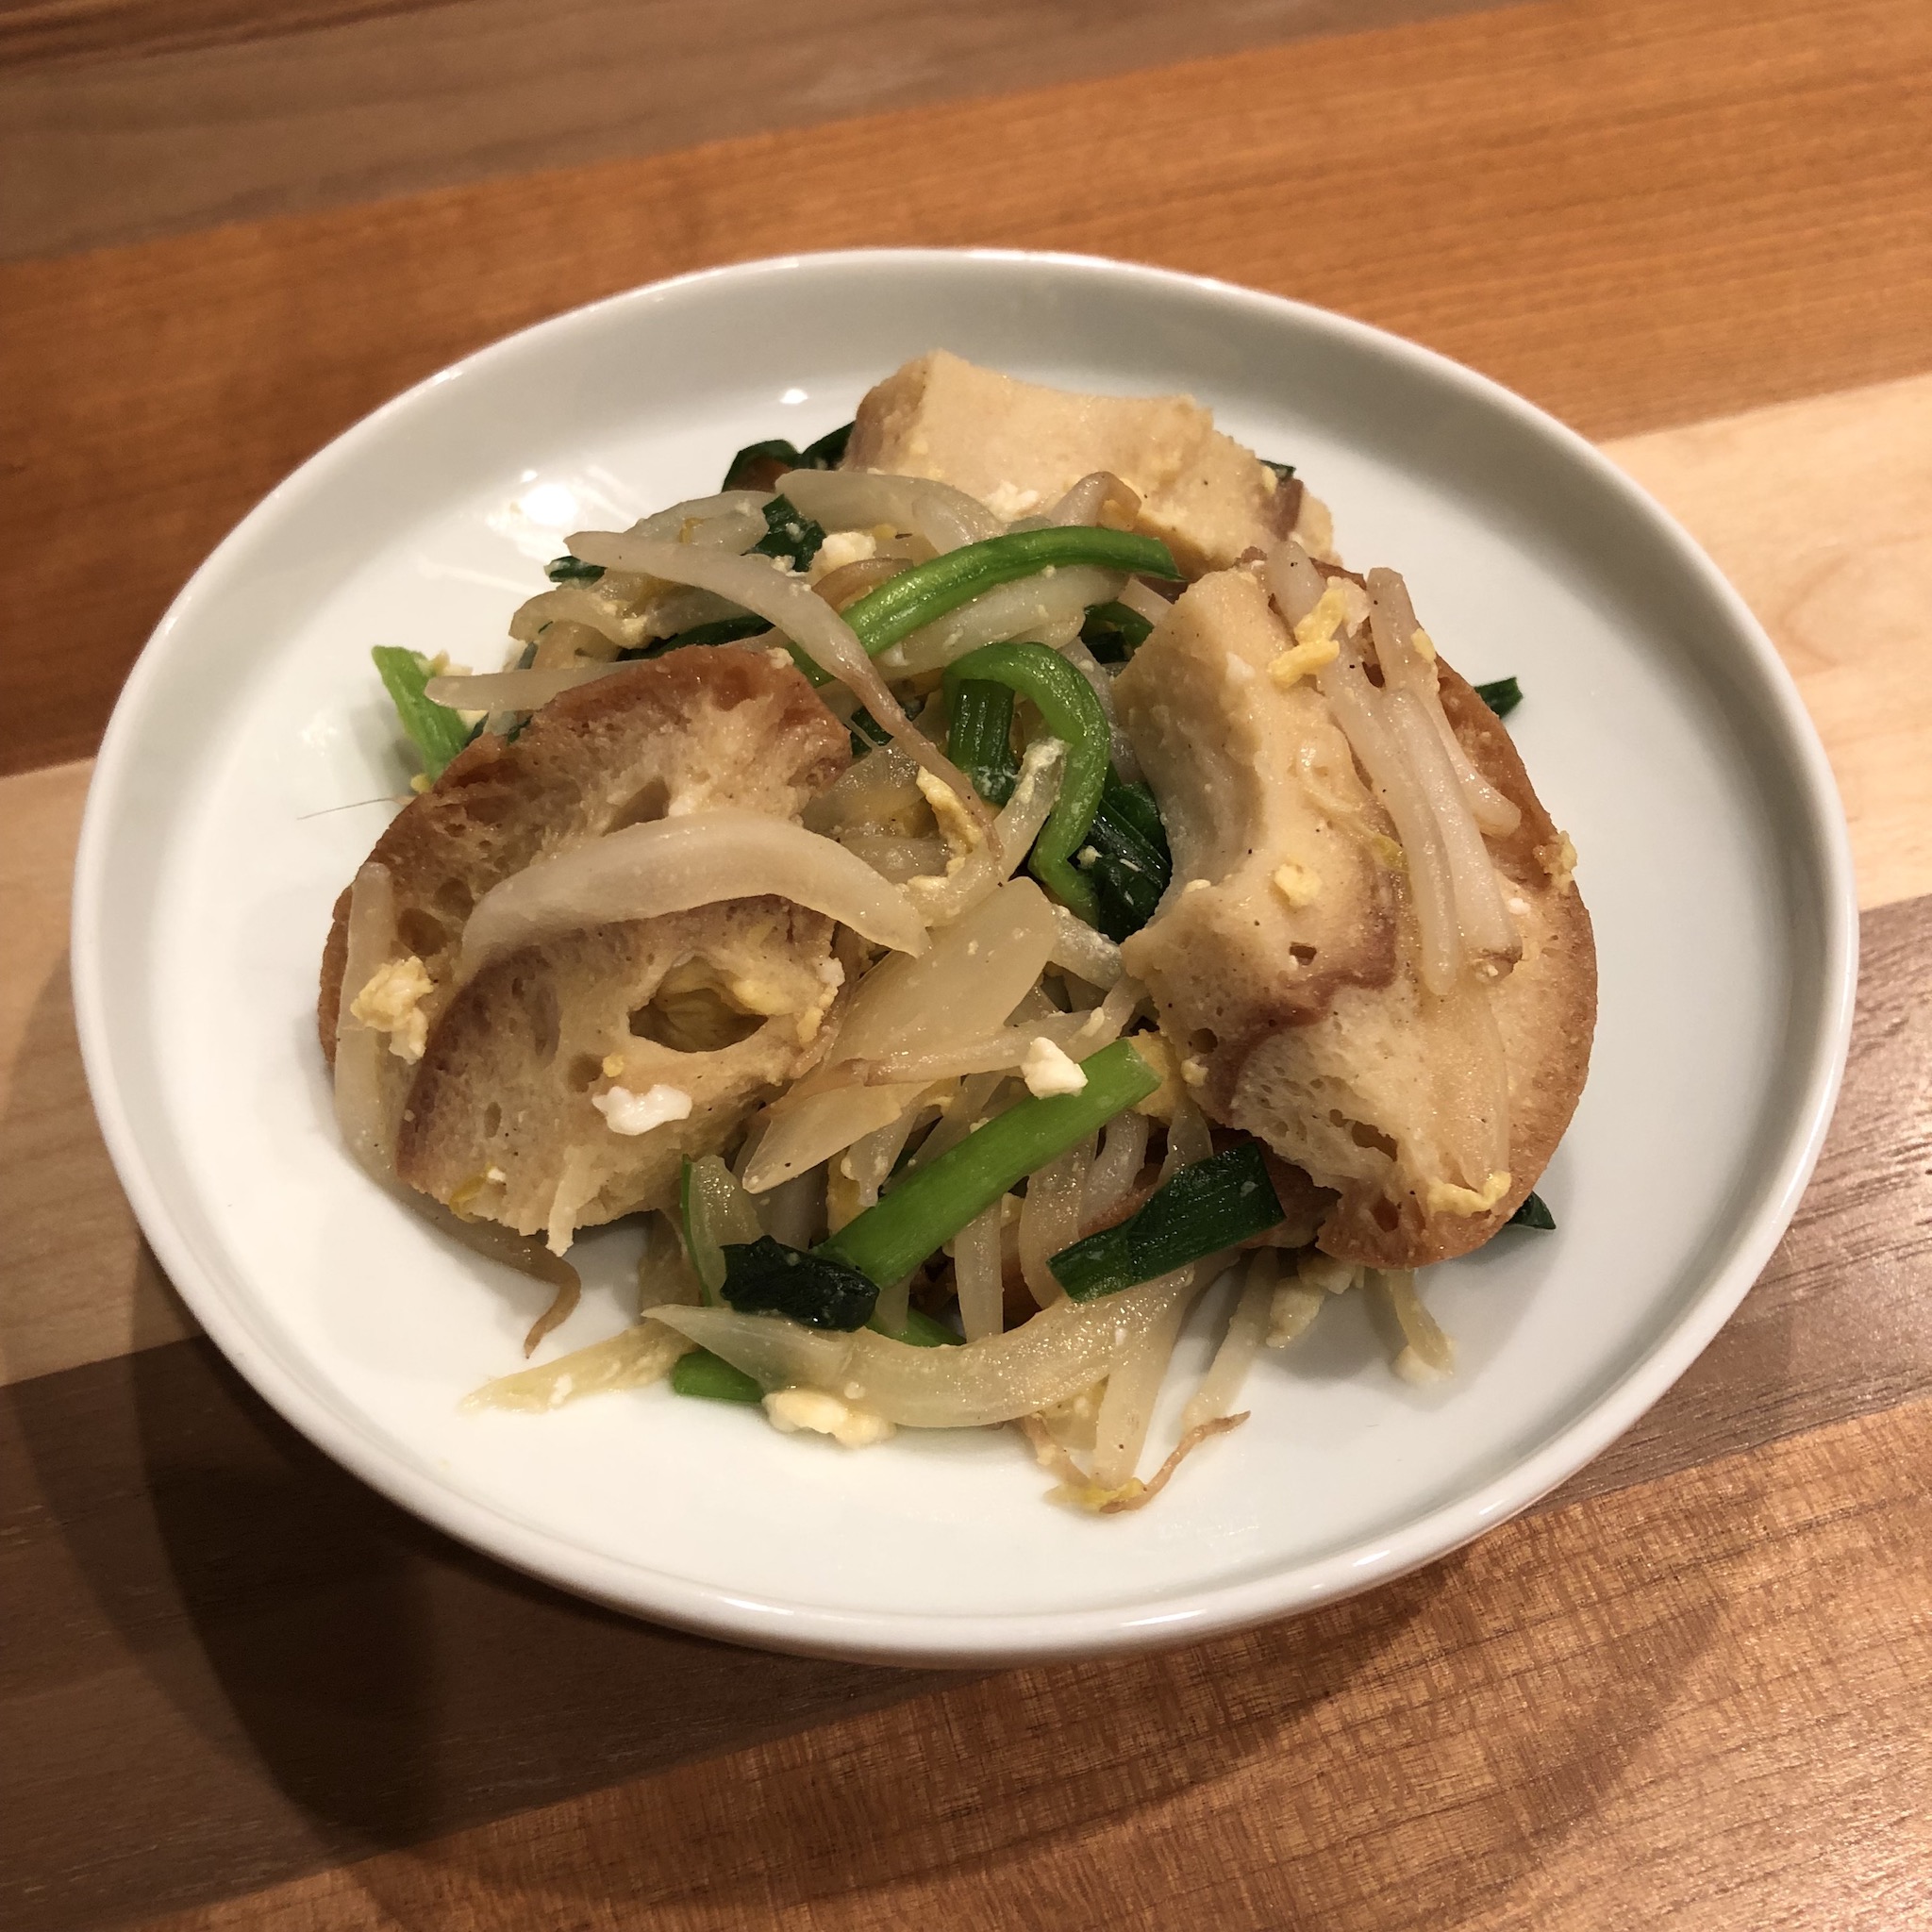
[(222, 1663), (177, 113), (1635, 210), (36, 32)]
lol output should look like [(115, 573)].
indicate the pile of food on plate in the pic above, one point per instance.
[(967, 885)]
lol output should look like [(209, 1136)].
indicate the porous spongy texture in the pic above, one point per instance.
[(1251, 778), (721, 1004), (693, 729), (1307, 1024), (1020, 446)]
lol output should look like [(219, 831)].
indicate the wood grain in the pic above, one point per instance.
[(36, 32), (179, 114), (1698, 1703), (1637, 212), (1821, 512), (78, 1283), (223, 1662)]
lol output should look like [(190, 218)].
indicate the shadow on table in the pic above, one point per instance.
[(395, 1690)]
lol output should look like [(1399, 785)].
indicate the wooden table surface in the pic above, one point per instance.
[(1692, 1689)]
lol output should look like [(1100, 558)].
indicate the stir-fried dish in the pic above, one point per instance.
[(967, 886)]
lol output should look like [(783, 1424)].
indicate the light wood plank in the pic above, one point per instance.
[(1638, 211), (206, 111), (1821, 513), (76, 1284), (1697, 1703)]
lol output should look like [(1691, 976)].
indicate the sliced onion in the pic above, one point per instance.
[(1357, 708), (671, 523), (969, 979), (978, 1099), (579, 605), (643, 872), (1077, 1034), (859, 499), (788, 603), (361, 1112), (1099, 498), (901, 861), (996, 1380), (1081, 949), (1049, 609), (683, 607), (879, 789), (1143, 600), (512, 690), (851, 582), (795, 1213)]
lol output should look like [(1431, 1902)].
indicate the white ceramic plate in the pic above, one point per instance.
[(247, 771)]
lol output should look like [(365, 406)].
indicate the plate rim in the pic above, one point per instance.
[(981, 1637)]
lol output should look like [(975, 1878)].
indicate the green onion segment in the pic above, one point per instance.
[(918, 596), (816, 1287), (436, 731), (758, 465), (1503, 696), (932, 1204), (790, 536), (1535, 1212), (1208, 1205), (708, 1376), (1113, 632), (1071, 712), (980, 736), (1131, 864)]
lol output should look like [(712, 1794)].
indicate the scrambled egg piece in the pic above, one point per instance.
[(1153, 1048), (956, 823), (851, 1427), (1315, 642), (840, 548), (1445, 1197), (625, 1112), (1047, 1070), (1300, 885), (392, 1003), (1009, 502)]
